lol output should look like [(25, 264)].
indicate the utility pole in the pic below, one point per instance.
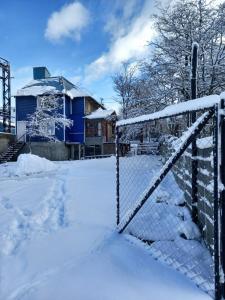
[(6, 95)]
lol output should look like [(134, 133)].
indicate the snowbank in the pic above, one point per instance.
[(30, 164)]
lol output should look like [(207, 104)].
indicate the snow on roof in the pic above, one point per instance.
[(175, 109), (100, 114), (75, 92), (36, 90), (51, 85)]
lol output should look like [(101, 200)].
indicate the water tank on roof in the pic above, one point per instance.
[(41, 73)]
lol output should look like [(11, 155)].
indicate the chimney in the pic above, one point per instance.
[(40, 73)]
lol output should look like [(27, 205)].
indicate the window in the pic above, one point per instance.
[(48, 128), (51, 128), (47, 102), (93, 129), (99, 129)]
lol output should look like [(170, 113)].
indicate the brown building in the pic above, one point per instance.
[(100, 132)]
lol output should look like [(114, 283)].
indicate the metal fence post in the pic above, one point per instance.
[(222, 194), (194, 163), (216, 207), (194, 169), (117, 177)]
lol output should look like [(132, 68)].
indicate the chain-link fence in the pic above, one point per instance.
[(167, 191)]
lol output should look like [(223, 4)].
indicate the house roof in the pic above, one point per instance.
[(56, 85), (100, 114)]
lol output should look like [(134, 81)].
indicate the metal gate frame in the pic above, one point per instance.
[(217, 112)]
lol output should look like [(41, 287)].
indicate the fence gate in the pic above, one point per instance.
[(170, 177)]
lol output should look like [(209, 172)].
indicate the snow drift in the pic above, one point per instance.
[(30, 164)]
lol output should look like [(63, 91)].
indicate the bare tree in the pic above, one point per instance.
[(165, 78), (138, 92), (179, 25), (47, 118), (123, 85)]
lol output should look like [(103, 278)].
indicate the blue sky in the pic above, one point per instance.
[(85, 41)]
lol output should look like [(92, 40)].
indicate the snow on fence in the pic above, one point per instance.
[(167, 188), (182, 172)]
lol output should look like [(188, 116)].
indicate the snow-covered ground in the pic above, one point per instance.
[(58, 239), (164, 221)]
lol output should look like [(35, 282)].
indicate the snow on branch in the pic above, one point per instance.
[(47, 117)]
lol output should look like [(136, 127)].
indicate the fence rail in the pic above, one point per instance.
[(171, 198)]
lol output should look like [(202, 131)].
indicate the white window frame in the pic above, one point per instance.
[(99, 129), (49, 128)]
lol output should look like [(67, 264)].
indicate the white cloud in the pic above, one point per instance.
[(119, 19), (129, 8), (20, 77), (127, 44), (67, 22)]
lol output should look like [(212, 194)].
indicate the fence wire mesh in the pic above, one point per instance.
[(177, 221)]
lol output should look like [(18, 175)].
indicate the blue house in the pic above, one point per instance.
[(76, 105)]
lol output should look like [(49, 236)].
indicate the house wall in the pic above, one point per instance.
[(90, 105), (67, 106), (68, 116), (75, 110), (92, 131), (95, 140), (26, 105), (75, 133), (50, 150), (108, 131), (109, 148), (59, 132)]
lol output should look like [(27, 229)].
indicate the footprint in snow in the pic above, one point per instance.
[(6, 203), (27, 212)]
